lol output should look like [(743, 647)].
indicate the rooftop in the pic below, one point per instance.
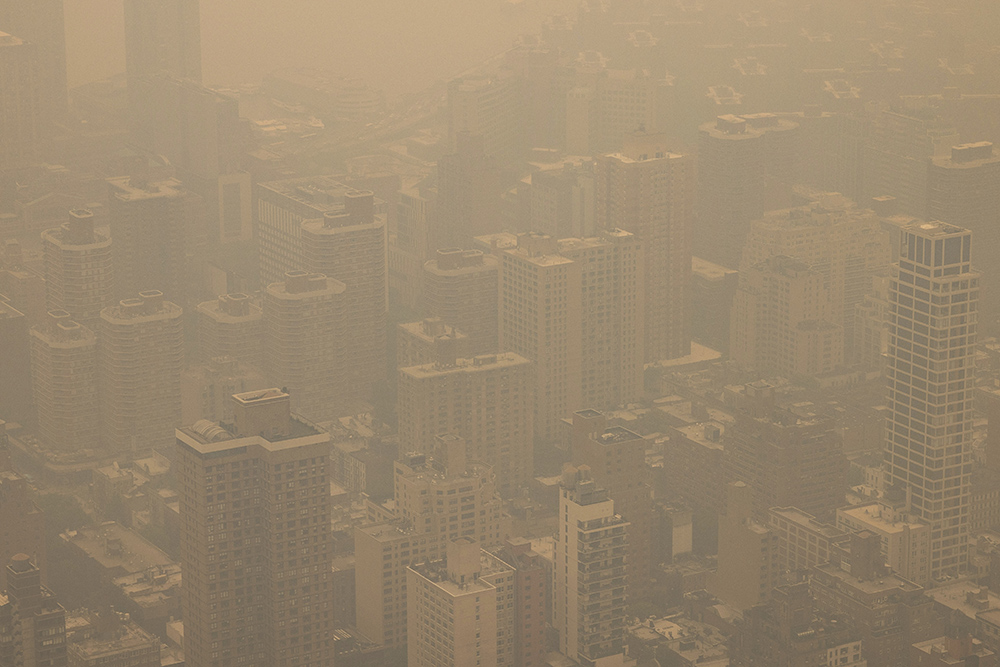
[(117, 548)]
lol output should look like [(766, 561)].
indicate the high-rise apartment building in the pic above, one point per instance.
[(256, 550), (78, 268), (934, 301), (834, 238), (470, 184), (231, 326), (486, 400), (350, 246), (163, 37), (140, 360), (648, 191), (43, 25), (590, 586), (19, 109), (963, 189), (782, 320), (410, 246), (437, 499), (32, 622), (15, 365), (616, 458), (574, 307), (487, 106), (64, 378), (532, 594), (303, 342), (452, 609), (461, 287), (749, 565), (156, 227)]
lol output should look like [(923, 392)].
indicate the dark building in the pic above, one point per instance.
[(32, 622)]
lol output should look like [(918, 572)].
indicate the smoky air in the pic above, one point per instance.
[(499, 333)]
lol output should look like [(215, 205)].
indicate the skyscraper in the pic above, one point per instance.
[(590, 584), (350, 246), (163, 37), (452, 610), (424, 520), (460, 287), (156, 227), (42, 24), (486, 400), (933, 328), (19, 129), (140, 360), (231, 326), (255, 536), (64, 378), (574, 307), (616, 458), (31, 619), (487, 106), (648, 191), (78, 268), (15, 365), (303, 341)]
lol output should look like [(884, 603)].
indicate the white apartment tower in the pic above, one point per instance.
[(140, 360), (64, 375), (78, 268), (930, 378)]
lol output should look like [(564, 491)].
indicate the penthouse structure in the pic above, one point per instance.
[(231, 326), (255, 536), (419, 343), (486, 400), (591, 589), (140, 360), (933, 328), (64, 375), (460, 287), (437, 499), (78, 268), (350, 246), (648, 191), (574, 307), (303, 330)]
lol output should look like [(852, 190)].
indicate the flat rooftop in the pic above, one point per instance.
[(115, 547)]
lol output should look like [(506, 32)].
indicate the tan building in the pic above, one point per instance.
[(489, 106), (905, 539), (303, 324), (648, 191), (140, 360), (843, 243), (803, 542), (255, 536), (410, 245), (350, 246), (78, 269), (22, 523), (19, 114), (452, 609), (749, 566), (928, 447), (231, 326), (158, 234), (206, 389), (64, 377), (460, 287), (418, 343), (437, 499), (486, 400), (109, 640), (589, 580), (31, 618), (616, 458), (783, 320), (586, 344)]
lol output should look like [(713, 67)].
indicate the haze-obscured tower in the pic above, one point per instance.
[(19, 108), (140, 360), (231, 326), (239, 545), (41, 23), (163, 37), (930, 379), (648, 191), (78, 268), (32, 619), (64, 379), (460, 287), (303, 341)]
